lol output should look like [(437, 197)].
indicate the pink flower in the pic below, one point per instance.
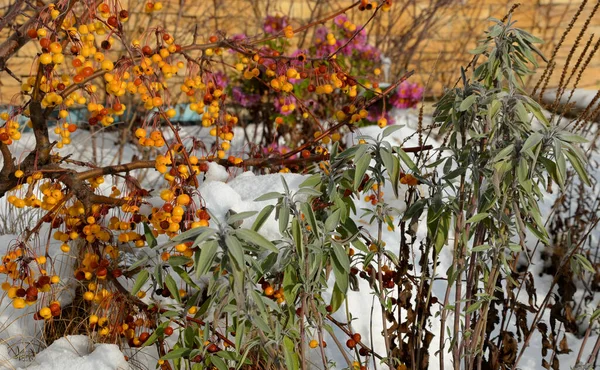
[(274, 24)]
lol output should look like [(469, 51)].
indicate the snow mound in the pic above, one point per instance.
[(72, 352)]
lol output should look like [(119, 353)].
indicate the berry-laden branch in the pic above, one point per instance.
[(348, 119), (9, 162), (252, 162)]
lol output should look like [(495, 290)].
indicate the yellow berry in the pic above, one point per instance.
[(183, 199), (45, 312), (46, 58), (18, 303)]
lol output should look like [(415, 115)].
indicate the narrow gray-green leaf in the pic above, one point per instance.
[(362, 164), (205, 257), (140, 280), (236, 217), (235, 249), (255, 238), (478, 217), (262, 217), (332, 222), (467, 103), (406, 159), (269, 196)]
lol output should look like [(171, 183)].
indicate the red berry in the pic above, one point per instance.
[(144, 336), (45, 43), (112, 21)]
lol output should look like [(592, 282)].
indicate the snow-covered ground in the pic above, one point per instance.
[(223, 191)]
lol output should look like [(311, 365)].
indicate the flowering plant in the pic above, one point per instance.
[(343, 45)]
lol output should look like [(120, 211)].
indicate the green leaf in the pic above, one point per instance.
[(504, 153), (531, 142), (474, 306), (467, 103), (140, 280), (478, 217), (155, 335), (571, 138), (269, 196), (150, 239), (406, 159), (176, 353), (309, 192), (297, 235), (219, 363), (309, 216), (522, 112), (595, 315), (479, 50), (341, 256), (390, 130), (362, 164), (561, 165), (578, 166), (481, 248), (236, 217), (283, 213), (235, 250), (189, 234), (291, 357), (392, 165), (207, 233), (332, 222), (311, 181), (341, 277), (584, 263), (204, 257), (493, 109), (138, 264), (255, 238), (337, 298), (178, 260), (185, 277), (290, 281), (172, 286), (262, 217)]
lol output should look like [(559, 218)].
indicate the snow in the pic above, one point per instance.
[(71, 352)]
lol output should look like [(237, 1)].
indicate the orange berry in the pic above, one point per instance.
[(269, 291), (183, 199)]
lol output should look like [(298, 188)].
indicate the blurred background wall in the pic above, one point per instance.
[(432, 37)]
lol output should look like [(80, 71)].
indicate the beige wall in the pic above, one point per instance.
[(437, 57)]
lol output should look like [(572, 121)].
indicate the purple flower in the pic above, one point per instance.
[(244, 99), (282, 105), (220, 79), (274, 24), (276, 149), (341, 19), (239, 37), (407, 95), (375, 113)]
